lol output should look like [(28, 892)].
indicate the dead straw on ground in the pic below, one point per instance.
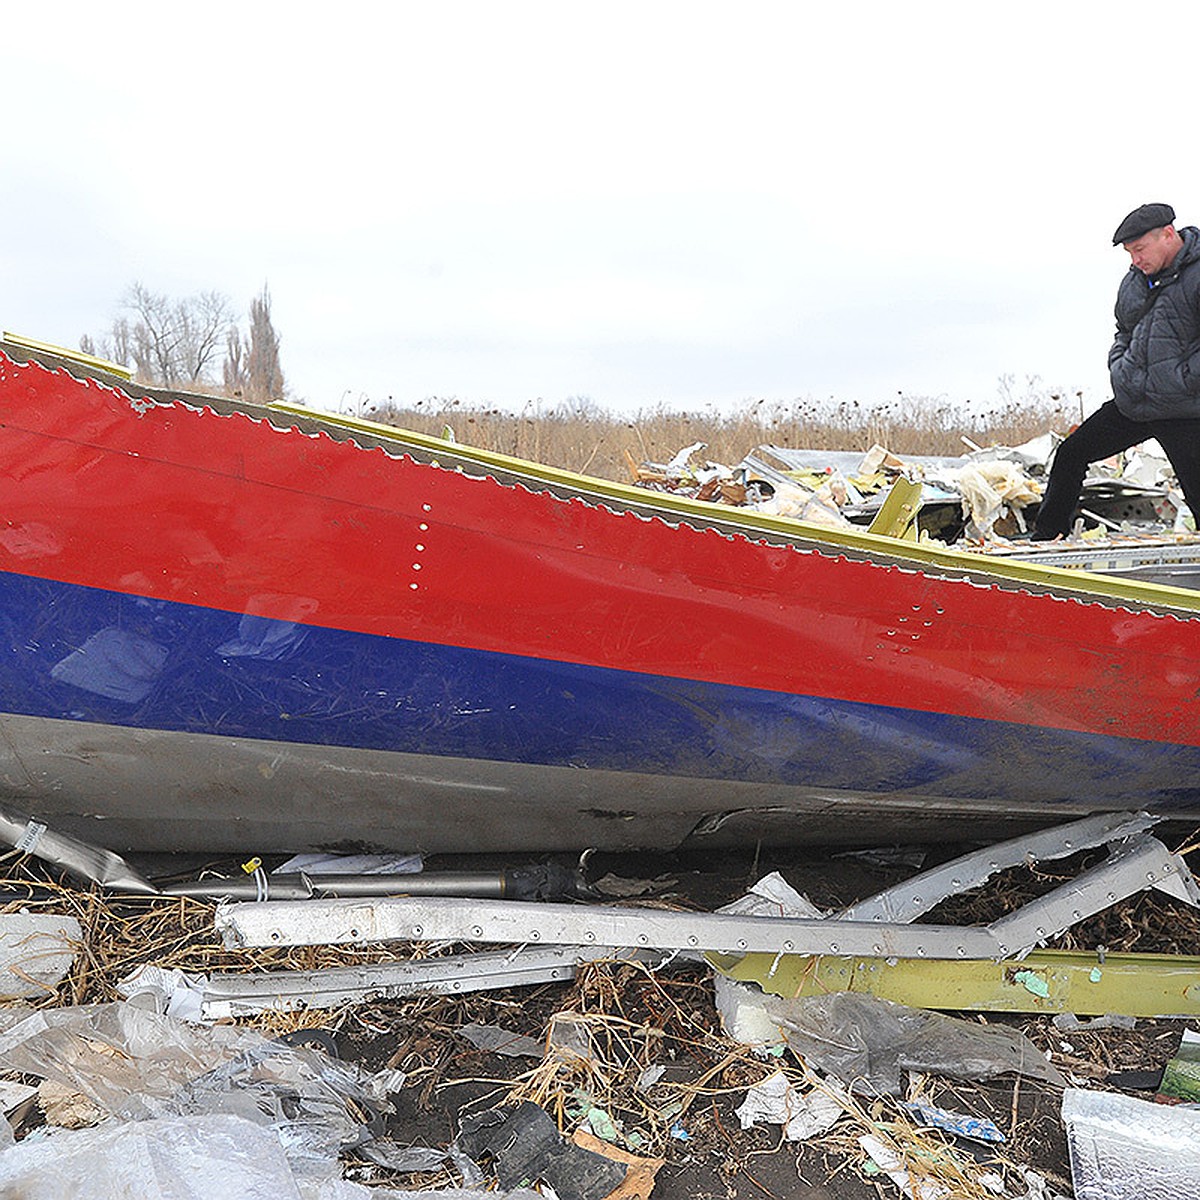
[(634, 1017)]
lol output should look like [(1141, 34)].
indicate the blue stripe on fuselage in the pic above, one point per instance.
[(84, 654)]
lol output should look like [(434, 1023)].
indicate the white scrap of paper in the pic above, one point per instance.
[(776, 1101)]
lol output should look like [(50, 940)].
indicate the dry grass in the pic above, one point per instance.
[(122, 933), (579, 436)]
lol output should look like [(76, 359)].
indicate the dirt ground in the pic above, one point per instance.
[(719, 1160), (638, 1017)]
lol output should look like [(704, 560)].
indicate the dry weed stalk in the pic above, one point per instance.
[(580, 436)]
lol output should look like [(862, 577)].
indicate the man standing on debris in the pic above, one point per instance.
[(1154, 366)]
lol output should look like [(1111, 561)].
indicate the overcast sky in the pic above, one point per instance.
[(655, 202)]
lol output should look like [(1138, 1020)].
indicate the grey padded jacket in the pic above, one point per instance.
[(1155, 362)]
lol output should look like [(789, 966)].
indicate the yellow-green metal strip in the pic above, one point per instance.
[(1046, 981), (87, 360), (920, 554), (897, 517)]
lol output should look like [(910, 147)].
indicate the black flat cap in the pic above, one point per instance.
[(1142, 220)]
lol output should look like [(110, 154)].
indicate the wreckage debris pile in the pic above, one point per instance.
[(631, 1076), (979, 498)]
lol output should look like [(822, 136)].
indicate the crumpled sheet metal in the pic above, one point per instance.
[(1123, 1148), (81, 859)]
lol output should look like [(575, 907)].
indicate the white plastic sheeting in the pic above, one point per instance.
[(803, 1115), (136, 1064), (214, 1157), (196, 1158)]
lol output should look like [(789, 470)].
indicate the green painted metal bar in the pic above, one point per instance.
[(1045, 981), (897, 517)]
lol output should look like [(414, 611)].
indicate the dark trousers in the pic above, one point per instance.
[(1104, 433)]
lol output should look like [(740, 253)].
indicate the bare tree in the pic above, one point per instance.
[(156, 335), (264, 377), (204, 322), (233, 370), (167, 341), (122, 341), (173, 342)]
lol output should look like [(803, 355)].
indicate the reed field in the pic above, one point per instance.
[(578, 435)]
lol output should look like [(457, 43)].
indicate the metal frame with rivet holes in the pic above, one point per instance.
[(325, 922), (908, 900), (1133, 865)]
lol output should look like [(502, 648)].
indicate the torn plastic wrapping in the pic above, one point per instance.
[(216, 1157), (1123, 1148), (408, 1160), (912, 1185), (139, 1065), (179, 994), (775, 1100), (569, 1040), (340, 1189), (772, 896), (495, 1040), (199, 1158), (867, 1043), (818, 508)]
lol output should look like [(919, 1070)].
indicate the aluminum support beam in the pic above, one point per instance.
[(880, 927), (1142, 862), (908, 900), (323, 922)]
